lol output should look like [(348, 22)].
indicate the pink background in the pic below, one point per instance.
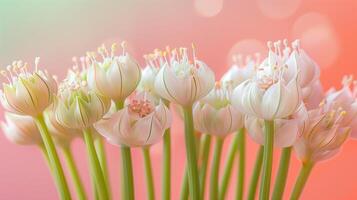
[(58, 30)]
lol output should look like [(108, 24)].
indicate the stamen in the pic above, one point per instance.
[(37, 60), (113, 48), (124, 46)]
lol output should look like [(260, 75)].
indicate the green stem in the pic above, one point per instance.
[(282, 175), (45, 154), (99, 147), (191, 154), (184, 187), (267, 159), (228, 166), (53, 158), (205, 144), (241, 165), (301, 180), (215, 169), (148, 172), (78, 186), (256, 173), (127, 174), (166, 173), (96, 170)]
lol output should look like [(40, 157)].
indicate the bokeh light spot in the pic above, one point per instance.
[(246, 47), (208, 8), (318, 38), (278, 9)]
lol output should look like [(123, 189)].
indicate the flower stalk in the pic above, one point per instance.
[(228, 166), (166, 173), (204, 155), (301, 180), (78, 186), (148, 173), (282, 175), (53, 158), (99, 147), (96, 171), (191, 154), (215, 168), (256, 173), (241, 164)]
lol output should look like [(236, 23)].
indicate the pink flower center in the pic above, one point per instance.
[(141, 107), (265, 82)]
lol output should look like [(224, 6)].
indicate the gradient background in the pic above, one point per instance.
[(58, 30)]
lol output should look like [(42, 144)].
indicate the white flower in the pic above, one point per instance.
[(323, 134), (287, 131), (240, 72), (27, 93), (140, 123), (21, 129), (182, 81), (77, 107), (300, 62), (215, 115), (116, 77), (268, 95), (61, 134)]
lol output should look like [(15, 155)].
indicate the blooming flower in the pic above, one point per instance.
[(287, 131), (27, 93), (215, 115), (77, 107), (116, 77), (268, 95), (61, 134), (182, 81), (240, 72), (300, 62), (140, 123), (21, 129), (323, 134)]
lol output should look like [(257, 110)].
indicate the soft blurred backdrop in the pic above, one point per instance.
[(58, 30)]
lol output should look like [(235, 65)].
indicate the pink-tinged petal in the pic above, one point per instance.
[(147, 131), (206, 79), (325, 155), (272, 100), (286, 134), (302, 150), (163, 114), (110, 127), (238, 93), (291, 99), (316, 96), (254, 127)]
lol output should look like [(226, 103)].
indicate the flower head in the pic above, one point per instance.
[(287, 131), (78, 107), (139, 123), (181, 80), (215, 115), (299, 61), (115, 77), (323, 134), (21, 129), (27, 93), (240, 71), (268, 95)]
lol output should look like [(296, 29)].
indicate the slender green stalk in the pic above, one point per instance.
[(127, 182), (215, 169), (241, 165), (78, 186), (166, 172), (45, 155), (127, 174), (228, 166), (184, 186), (191, 154), (256, 173), (96, 170), (53, 158), (148, 172), (205, 144), (301, 180), (99, 147), (282, 175), (267, 159)]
